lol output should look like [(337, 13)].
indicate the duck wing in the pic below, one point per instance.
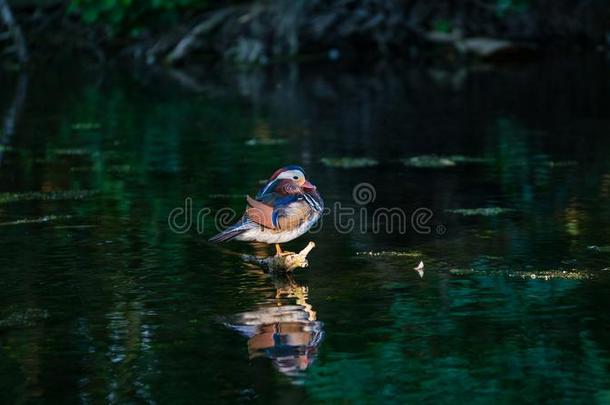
[(276, 211)]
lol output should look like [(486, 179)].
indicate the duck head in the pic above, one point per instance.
[(294, 174)]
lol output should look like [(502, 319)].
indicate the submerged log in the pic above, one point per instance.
[(6, 17), (286, 262), (11, 116)]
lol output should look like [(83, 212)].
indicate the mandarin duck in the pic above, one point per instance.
[(285, 208)]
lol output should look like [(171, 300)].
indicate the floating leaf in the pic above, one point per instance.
[(485, 212), (420, 269), (349, 162)]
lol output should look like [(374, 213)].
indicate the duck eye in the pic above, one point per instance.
[(295, 177)]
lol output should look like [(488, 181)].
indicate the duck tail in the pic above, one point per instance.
[(230, 233)]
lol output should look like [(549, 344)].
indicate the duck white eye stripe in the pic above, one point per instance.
[(267, 187), (289, 174)]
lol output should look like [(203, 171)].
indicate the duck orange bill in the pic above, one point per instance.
[(260, 213), (308, 186)]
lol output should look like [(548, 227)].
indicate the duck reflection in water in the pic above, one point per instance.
[(283, 329)]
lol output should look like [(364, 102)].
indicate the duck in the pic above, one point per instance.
[(286, 207)]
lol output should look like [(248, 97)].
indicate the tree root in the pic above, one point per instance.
[(287, 262)]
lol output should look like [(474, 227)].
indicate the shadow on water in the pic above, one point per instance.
[(284, 328)]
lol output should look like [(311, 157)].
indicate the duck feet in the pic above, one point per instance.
[(279, 252)]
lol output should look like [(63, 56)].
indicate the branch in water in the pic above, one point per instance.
[(6, 16), (284, 263)]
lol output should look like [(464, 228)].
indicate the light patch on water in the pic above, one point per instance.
[(601, 249), (390, 254), (46, 196), (545, 275), (266, 142), (349, 162), (114, 169), (226, 196), (72, 152), (41, 220), (23, 318), (74, 226), (86, 126), (438, 162), (561, 163), (484, 212)]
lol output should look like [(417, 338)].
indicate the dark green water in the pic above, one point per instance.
[(101, 302)]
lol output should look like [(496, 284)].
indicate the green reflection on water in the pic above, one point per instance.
[(129, 311)]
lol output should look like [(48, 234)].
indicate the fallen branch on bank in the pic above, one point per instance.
[(480, 47)]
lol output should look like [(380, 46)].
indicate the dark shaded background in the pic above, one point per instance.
[(178, 31), (108, 124)]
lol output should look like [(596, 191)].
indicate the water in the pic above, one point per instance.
[(102, 302)]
